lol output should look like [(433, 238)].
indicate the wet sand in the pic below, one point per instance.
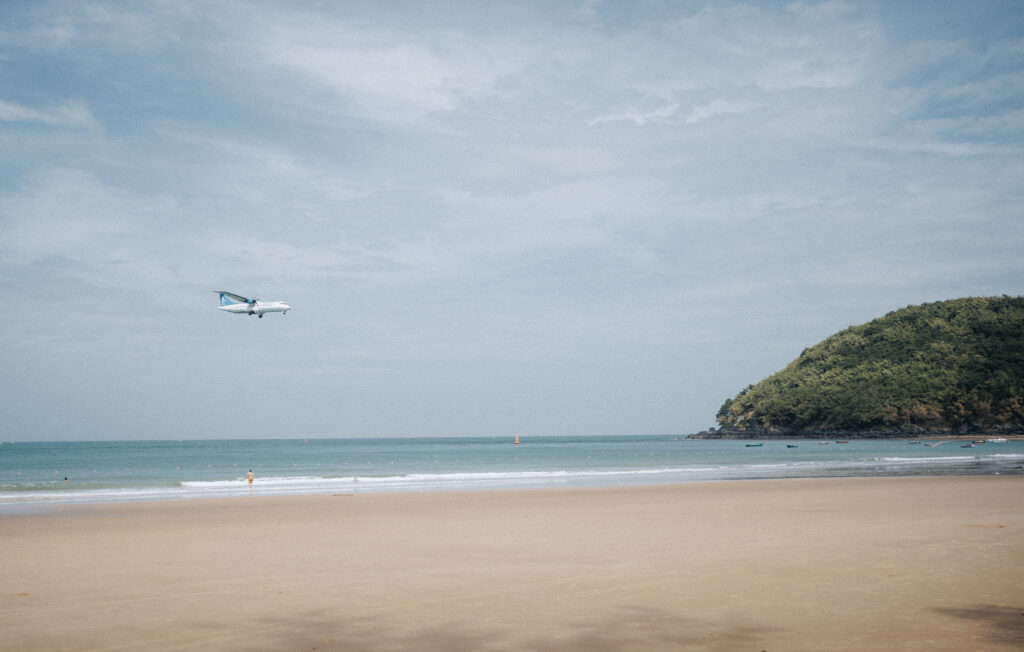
[(846, 564)]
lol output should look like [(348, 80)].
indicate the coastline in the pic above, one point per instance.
[(896, 435), (797, 564), (38, 475)]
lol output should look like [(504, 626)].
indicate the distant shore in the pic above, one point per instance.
[(836, 564), (844, 435)]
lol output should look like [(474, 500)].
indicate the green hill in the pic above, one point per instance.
[(950, 366)]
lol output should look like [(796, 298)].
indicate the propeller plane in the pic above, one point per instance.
[(240, 305)]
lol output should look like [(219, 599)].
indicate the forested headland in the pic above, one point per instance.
[(950, 367)]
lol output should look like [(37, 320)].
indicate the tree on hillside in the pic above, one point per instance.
[(955, 364)]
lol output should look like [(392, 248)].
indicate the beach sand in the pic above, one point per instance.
[(839, 564)]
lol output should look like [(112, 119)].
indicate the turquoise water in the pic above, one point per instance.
[(68, 472)]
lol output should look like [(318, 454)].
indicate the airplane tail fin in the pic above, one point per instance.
[(229, 299)]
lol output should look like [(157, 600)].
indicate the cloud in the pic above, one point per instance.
[(72, 114), (70, 214), (717, 108), (395, 76), (381, 74), (639, 118)]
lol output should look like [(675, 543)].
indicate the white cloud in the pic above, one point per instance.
[(374, 72), (73, 114), (394, 76), (639, 118), (717, 108), (70, 214)]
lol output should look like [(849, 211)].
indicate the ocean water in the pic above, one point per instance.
[(36, 474)]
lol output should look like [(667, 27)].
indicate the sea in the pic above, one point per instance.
[(57, 473)]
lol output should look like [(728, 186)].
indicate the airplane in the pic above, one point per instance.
[(240, 305)]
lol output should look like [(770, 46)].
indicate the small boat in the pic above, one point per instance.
[(843, 442), (913, 442), (978, 441), (996, 440), (823, 443), (968, 444), (754, 445), (792, 445)]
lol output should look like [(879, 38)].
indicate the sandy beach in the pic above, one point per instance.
[(849, 564)]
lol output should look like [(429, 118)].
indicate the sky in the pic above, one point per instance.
[(490, 218)]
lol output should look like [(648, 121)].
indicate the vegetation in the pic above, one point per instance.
[(950, 366)]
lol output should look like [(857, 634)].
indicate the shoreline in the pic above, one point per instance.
[(831, 436), (209, 468), (796, 564), (30, 503)]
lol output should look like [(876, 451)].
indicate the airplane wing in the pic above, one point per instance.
[(235, 297)]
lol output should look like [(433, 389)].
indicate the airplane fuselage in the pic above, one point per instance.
[(256, 307)]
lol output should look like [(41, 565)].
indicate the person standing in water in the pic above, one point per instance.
[(250, 477)]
